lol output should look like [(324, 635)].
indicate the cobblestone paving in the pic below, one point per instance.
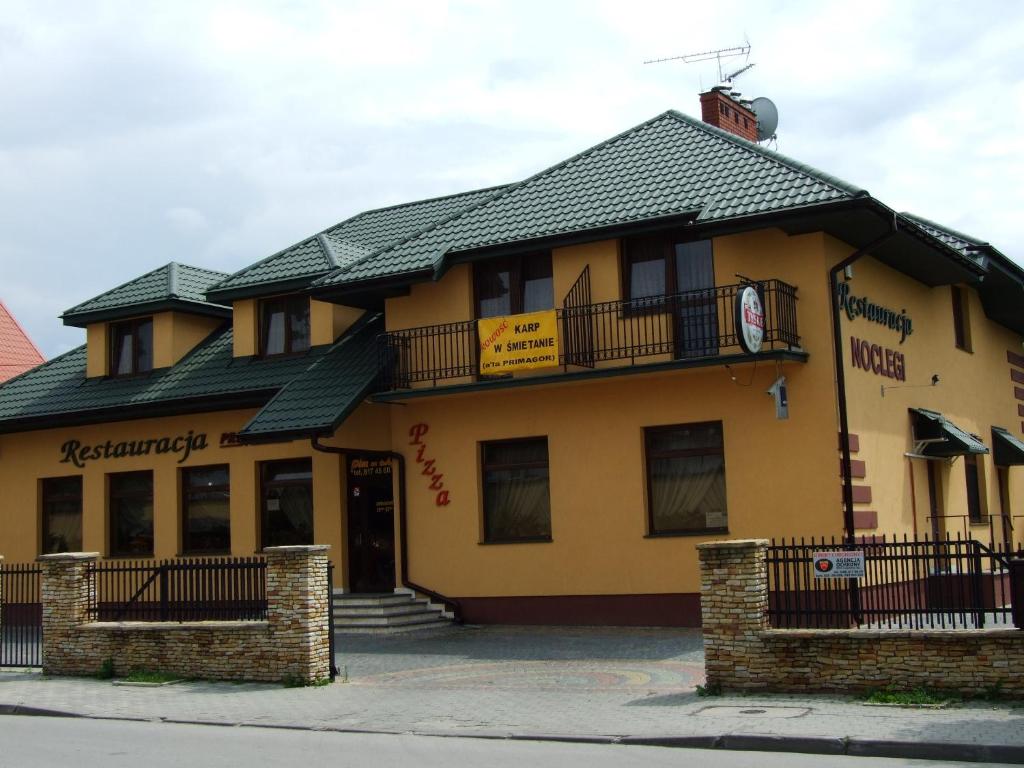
[(523, 681)]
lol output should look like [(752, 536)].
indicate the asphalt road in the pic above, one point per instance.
[(42, 742)]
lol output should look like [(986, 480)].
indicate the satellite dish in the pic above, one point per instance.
[(767, 117)]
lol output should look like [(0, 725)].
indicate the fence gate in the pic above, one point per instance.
[(21, 615)]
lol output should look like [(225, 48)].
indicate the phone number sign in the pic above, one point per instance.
[(838, 565)]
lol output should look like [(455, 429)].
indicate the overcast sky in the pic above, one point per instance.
[(215, 133)]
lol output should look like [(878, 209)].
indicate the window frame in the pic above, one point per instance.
[(289, 303), (133, 326), (265, 485), (485, 467), (667, 242), (186, 491), (112, 511), (46, 498), (517, 284), (961, 321), (652, 530)]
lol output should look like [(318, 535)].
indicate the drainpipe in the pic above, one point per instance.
[(837, 344), (403, 552)]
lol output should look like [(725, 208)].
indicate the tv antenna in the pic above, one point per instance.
[(718, 56)]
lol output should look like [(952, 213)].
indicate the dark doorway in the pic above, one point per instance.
[(371, 524)]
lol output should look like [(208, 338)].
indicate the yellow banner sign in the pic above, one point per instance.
[(518, 342)]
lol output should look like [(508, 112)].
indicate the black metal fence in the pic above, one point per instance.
[(952, 583), (199, 589), (688, 325), (21, 615)]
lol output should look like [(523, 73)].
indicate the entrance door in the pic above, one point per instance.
[(371, 524), (697, 315)]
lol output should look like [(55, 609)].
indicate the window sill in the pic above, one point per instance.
[(534, 540), (675, 534)]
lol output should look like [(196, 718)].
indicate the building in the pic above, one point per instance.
[(17, 352), (533, 400)]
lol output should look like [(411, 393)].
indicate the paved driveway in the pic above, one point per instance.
[(591, 659)]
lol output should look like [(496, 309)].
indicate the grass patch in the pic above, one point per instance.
[(297, 682), (709, 690), (149, 676), (919, 697), (106, 670)]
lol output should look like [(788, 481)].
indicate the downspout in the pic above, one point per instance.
[(837, 345), (403, 552)]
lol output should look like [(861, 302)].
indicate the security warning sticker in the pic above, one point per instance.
[(838, 565)]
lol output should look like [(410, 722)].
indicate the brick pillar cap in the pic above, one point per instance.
[(734, 544), (67, 557), (296, 549)]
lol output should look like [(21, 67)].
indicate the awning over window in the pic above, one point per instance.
[(936, 436), (1007, 450)]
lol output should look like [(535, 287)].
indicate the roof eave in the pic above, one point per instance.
[(83, 319)]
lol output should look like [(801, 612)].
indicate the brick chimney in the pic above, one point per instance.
[(720, 108)]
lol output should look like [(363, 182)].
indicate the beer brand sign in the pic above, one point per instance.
[(750, 319), (518, 342), (78, 453)]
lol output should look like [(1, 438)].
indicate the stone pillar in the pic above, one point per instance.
[(298, 611), (67, 593), (733, 602)]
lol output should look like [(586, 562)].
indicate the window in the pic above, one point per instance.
[(284, 325), (131, 514), (131, 347), (205, 509), (974, 495), (62, 514), (961, 329), (287, 503), (513, 285), (686, 479), (517, 501)]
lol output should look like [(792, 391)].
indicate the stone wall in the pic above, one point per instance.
[(293, 644), (743, 654)]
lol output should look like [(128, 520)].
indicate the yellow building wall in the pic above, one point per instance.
[(97, 350), (28, 457), (327, 322), (244, 320), (782, 475), (974, 392), (175, 334)]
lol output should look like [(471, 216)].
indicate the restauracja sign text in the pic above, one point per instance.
[(76, 453)]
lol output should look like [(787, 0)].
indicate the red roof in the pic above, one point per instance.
[(17, 352)]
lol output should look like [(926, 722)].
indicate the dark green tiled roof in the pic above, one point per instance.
[(956, 240), (344, 243), (318, 400), (669, 166), (59, 389), (170, 286)]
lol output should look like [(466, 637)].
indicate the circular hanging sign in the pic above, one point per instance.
[(750, 319)]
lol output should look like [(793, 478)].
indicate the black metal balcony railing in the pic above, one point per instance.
[(688, 325)]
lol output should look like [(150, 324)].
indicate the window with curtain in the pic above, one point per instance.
[(287, 502), (62, 514), (131, 514), (514, 285), (205, 509), (284, 325), (517, 500), (686, 478), (131, 347)]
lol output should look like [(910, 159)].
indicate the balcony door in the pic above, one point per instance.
[(696, 315)]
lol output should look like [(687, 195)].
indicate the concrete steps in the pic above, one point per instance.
[(385, 613)]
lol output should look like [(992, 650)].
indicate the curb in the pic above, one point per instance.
[(737, 742)]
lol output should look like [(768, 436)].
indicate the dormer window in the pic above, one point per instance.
[(131, 346), (284, 325)]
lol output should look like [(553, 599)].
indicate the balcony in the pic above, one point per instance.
[(679, 329)]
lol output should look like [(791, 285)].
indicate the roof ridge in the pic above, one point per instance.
[(327, 248), (172, 279), (209, 271), (24, 333), (330, 229), (506, 190), (809, 170)]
